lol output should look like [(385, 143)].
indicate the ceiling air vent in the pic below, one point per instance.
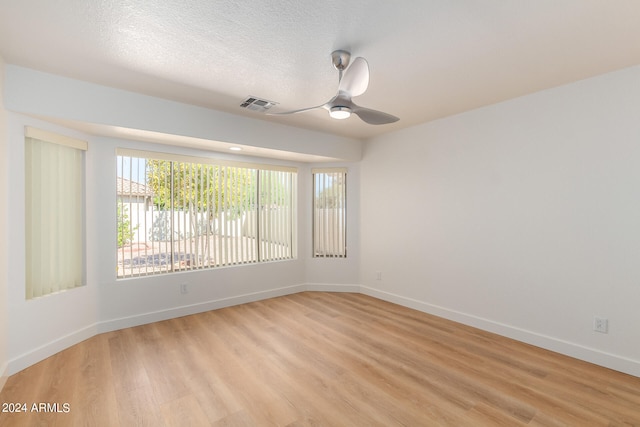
[(256, 104)]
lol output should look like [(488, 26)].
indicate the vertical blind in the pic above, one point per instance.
[(178, 213), (53, 212), (330, 212)]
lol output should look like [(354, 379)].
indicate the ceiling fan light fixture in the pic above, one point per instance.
[(340, 113)]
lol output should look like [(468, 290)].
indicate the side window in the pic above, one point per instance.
[(330, 212), (54, 212)]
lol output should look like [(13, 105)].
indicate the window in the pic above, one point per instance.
[(54, 214), (178, 213), (329, 212)]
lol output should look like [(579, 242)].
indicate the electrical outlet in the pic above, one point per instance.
[(600, 324), (378, 275), (184, 289)]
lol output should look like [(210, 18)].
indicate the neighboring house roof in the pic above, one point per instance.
[(127, 187)]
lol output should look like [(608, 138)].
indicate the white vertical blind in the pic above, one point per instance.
[(53, 212), (201, 215), (329, 212)]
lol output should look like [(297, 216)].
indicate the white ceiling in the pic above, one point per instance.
[(428, 58)]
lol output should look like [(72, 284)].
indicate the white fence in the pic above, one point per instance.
[(148, 225)]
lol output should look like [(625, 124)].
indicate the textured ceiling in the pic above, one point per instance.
[(428, 58)]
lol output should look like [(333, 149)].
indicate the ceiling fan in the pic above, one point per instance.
[(353, 81)]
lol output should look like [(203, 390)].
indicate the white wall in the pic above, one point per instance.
[(4, 320), (522, 218)]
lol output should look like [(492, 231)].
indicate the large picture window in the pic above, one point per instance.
[(330, 212), (54, 212), (178, 213)]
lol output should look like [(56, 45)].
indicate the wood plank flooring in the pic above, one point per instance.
[(311, 359)]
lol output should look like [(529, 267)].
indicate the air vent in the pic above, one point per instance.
[(256, 104)]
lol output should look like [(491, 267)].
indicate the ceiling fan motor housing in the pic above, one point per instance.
[(340, 59)]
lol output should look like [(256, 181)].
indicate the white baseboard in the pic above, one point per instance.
[(49, 349), (4, 374), (598, 357)]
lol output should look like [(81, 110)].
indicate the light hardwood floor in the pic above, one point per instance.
[(333, 359)]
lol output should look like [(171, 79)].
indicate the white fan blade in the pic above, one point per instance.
[(373, 117), (356, 78)]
